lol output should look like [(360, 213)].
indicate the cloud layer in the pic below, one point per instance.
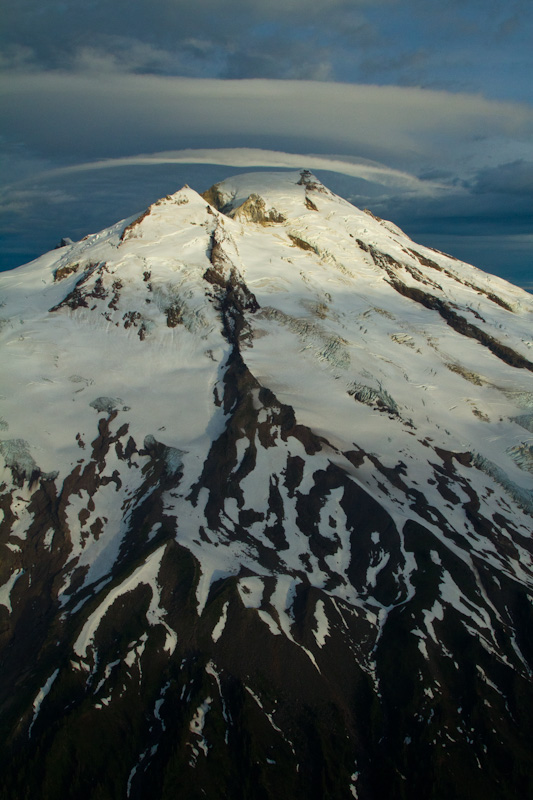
[(244, 157), (80, 116), (473, 45)]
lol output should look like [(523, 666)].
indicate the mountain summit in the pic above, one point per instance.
[(266, 510)]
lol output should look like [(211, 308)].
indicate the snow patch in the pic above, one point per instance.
[(7, 588), (40, 697), (219, 627), (322, 625)]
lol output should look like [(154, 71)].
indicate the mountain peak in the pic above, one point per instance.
[(267, 479)]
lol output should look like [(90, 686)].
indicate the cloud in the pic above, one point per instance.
[(279, 60), (122, 54), (19, 201), (514, 178), (57, 30), (472, 45), (243, 157), (114, 115)]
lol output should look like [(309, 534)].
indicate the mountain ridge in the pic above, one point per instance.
[(266, 508)]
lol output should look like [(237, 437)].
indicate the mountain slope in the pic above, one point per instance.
[(266, 509)]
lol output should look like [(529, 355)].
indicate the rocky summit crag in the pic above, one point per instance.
[(266, 510)]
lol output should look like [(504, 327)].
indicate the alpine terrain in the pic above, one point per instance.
[(266, 510)]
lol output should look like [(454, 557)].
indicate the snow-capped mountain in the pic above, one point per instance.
[(266, 509)]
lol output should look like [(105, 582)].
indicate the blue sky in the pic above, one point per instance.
[(419, 110)]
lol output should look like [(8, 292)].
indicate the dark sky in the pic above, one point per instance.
[(421, 111)]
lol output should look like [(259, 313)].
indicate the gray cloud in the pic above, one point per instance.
[(277, 58), (410, 42), (58, 28), (514, 178), (244, 157), (107, 115), (408, 67)]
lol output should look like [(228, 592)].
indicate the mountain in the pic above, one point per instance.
[(266, 510)]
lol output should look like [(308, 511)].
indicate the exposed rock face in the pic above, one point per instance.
[(266, 510), (254, 210)]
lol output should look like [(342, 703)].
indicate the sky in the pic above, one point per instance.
[(420, 110)]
